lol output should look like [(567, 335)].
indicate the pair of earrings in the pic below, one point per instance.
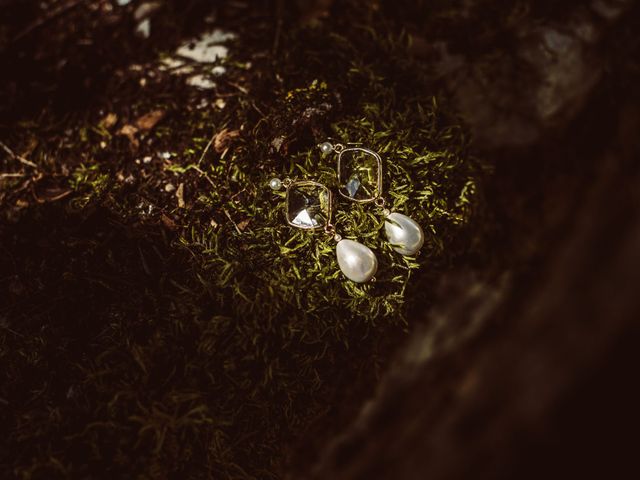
[(309, 207)]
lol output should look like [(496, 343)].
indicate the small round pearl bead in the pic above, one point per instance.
[(275, 183), (326, 147)]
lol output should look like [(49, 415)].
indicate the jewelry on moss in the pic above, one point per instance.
[(360, 178), (308, 206)]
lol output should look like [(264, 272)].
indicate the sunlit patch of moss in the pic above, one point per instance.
[(89, 183), (271, 271)]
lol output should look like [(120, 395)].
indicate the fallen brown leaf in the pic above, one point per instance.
[(149, 120), (109, 120), (223, 139), (168, 222), (130, 131), (243, 224)]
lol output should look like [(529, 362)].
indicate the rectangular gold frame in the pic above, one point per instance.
[(379, 179)]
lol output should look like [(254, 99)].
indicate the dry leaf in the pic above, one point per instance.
[(109, 120), (180, 195), (243, 224), (168, 222), (278, 142), (223, 139), (149, 120), (130, 131)]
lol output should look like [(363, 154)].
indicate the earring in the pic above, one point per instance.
[(360, 178), (308, 206)]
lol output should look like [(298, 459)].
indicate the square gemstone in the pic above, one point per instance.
[(359, 174), (308, 205)]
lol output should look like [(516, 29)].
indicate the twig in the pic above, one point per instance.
[(11, 331), (206, 149), (199, 170), (231, 220), (15, 156), (54, 198), (239, 87), (255, 107), (12, 175)]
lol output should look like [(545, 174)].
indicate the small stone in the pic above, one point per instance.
[(169, 187), (208, 48), (201, 81), (218, 70), (144, 28)]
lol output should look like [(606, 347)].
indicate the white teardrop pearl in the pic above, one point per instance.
[(404, 234), (356, 261)]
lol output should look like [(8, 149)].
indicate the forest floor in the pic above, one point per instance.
[(157, 316)]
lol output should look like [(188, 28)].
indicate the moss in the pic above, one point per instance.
[(211, 335)]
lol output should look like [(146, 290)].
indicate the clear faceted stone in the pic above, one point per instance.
[(358, 175), (308, 206), (352, 186)]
